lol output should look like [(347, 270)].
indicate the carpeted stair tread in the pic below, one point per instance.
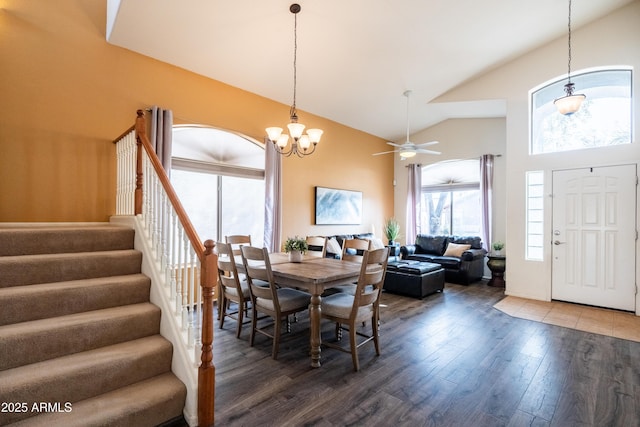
[(39, 301), (60, 239), (85, 375), (38, 340), (77, 328), (146, 403), (48, 268)]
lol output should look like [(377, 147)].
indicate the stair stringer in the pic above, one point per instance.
[(183, 364)]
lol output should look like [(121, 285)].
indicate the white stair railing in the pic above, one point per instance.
[(144, 191)]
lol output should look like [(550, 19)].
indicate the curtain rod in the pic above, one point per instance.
[(187, 120), (454, 160)]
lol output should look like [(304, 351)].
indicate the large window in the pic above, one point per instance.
[(451, 198), (221, 205), (604, 118), (219, 178)]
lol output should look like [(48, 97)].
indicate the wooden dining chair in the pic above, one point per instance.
[(317, 246), (352, 249), (266, 297), (237, 240), (231, 288), (348, 311)]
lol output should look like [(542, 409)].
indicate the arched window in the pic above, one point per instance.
[(219, 178), (604, 118)]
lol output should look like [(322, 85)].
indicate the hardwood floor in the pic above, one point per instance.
[(448, 360)]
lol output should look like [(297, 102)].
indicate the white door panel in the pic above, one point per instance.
[(594, 227)]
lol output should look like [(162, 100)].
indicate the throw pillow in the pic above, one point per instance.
[(376, 243), (334, 247), (454, 249)]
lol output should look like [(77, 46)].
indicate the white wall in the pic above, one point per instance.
[(459, 139), (612, 40)]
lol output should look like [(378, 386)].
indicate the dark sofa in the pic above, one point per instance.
[(465, 269)]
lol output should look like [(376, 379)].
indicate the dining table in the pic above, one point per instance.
[(314, 275)]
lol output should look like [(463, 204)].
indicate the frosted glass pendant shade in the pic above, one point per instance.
[(282, 140), (314, 135), (569, 104), (274, 133), (295, 130)]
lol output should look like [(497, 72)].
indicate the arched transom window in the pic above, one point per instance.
[(604, 119), (219, 178)]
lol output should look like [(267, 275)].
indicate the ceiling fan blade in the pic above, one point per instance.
[(385, 152), (426, 144), (394, 144), (423, 151)]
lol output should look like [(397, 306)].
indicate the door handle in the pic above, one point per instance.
[(558, 243)]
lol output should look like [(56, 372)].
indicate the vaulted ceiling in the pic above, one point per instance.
[(355, 57)]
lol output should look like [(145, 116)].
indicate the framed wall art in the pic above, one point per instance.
[(335, 206)]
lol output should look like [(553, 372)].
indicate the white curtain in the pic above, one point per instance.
[(486, 198), (414, 208), (160, 135), (273, 198)]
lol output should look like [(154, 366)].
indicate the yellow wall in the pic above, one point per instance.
[(65, 94)]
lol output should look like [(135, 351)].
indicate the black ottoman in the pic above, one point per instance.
[(413, 278)]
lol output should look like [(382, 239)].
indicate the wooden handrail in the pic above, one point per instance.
[(125, 133), (141, 137), (208, 271)]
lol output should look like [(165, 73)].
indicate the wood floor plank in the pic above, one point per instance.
[(450, 359), (523, 419), (615, 404), (576, 405), (512, 383), (545, 387)]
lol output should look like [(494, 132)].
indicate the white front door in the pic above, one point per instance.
[(594, 232)]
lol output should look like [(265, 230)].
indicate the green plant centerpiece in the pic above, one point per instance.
[(391, 230), (295, 247), (497, 247)]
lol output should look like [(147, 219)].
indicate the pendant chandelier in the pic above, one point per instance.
[(569, 103), (301, 142)]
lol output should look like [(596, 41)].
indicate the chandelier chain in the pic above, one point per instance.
[(569, 103), (302, 144), (295, 61)]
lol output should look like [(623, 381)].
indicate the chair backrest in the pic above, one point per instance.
[(259, 275), (371, 279), (315, 242), (227, 269), (358, 245), (237, 240)]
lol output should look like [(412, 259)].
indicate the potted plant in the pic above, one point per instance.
[(295, 247), (391, 230), (497, 247)]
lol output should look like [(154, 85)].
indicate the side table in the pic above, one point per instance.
[(394, 252), (497, 265)]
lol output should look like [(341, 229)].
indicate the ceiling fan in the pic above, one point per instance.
[(409, 149)]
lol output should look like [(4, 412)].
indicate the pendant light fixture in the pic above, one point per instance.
[(569, 103), (300, 143)]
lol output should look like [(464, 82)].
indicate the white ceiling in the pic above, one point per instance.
[(355, 57)]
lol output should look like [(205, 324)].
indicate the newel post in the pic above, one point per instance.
[(206, 371), (141, 129)]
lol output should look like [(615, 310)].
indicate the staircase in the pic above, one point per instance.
[(79, 339)]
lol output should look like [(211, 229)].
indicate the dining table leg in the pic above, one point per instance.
[(314, 317)]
